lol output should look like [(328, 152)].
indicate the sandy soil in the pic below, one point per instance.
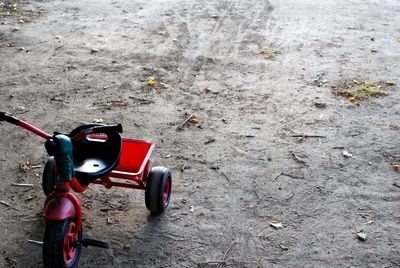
[(207, 55)]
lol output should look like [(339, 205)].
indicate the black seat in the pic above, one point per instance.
[(95, 156)]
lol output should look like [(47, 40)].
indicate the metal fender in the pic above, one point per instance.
[(58, 209)]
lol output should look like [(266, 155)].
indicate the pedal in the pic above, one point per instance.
[(95, 243)]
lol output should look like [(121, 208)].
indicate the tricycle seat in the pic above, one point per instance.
[(95, 155)]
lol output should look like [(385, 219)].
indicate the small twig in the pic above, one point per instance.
[(183, 167), (248, 136), (37, 166), (338, 147), (396, 184), (189, 194), (173, 238), (307, 136), (292, 176), (185, 122), (40, 243), (8, 205), (342, 117), (23, 184), (290, 197), (257, 194), (297, 159), (213, 262), (226, 254), (209, 141), (279, 174), (141, 100), (226, 177)]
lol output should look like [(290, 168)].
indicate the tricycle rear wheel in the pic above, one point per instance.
[(158, 189), (60, 248), (49, 176)]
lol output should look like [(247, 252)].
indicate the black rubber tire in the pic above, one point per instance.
[(53, 245), (154, 194), (49, 176)]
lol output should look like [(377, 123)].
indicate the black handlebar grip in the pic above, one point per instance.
[(10, 119), (107, 129)]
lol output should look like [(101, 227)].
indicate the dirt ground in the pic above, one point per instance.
[(238, 164)]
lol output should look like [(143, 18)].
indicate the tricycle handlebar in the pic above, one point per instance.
[(11, 119), (6, 117)]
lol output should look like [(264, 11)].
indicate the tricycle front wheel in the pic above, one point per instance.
[(61, 247), (158, 189)]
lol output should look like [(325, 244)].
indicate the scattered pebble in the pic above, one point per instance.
[(347, 154), (361, 235), (214, 166), (276, 224), (321, 105), (164, 85)]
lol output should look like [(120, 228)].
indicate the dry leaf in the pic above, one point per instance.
[(98, 120), (195, 121), (269, 53), (24, 167), (395, 166), (14, 29), (13, 7), (398, 39), (352, 98), (94, 50), (276, 224), (151, 82)]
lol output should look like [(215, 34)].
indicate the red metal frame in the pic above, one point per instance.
[(33, 129), (76, 186)]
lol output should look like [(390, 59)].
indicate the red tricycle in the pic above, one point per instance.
[(95, 154)]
